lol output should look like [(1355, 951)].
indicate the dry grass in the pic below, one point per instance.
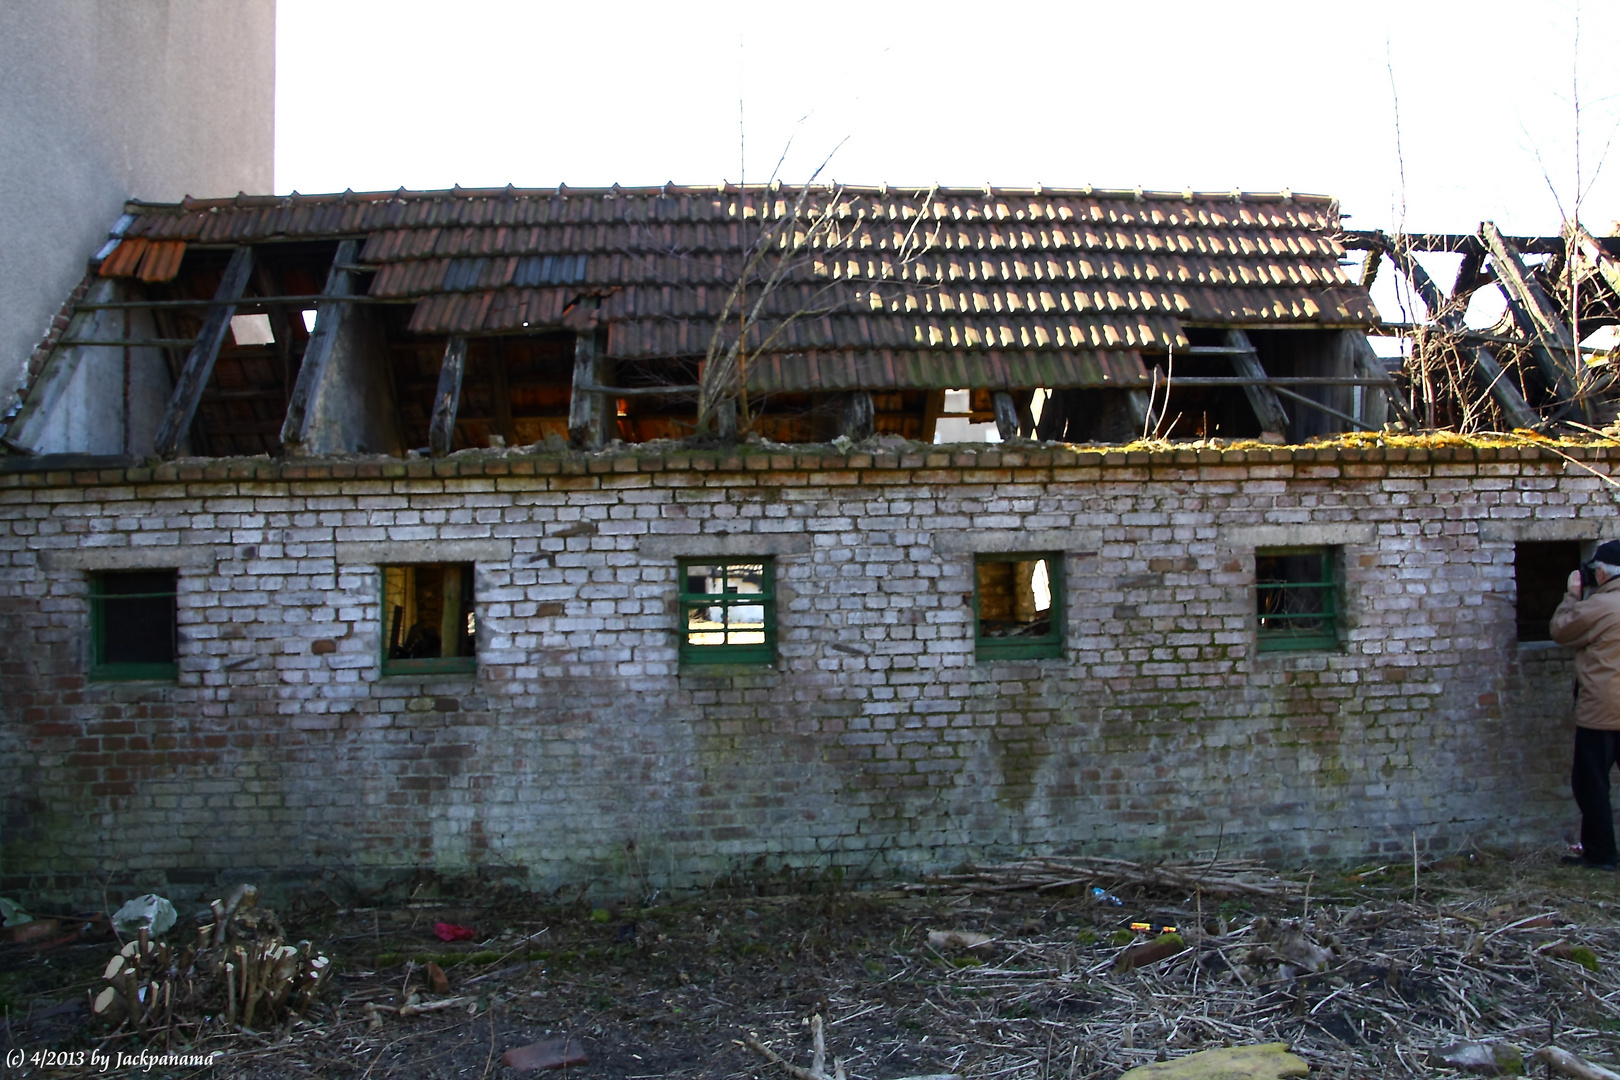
[(1513, 949)]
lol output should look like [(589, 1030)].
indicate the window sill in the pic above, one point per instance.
[(754, 660), (135, 673), (1299, 646), (990, 650), (447, 666)]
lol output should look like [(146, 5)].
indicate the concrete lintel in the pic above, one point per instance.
[(1530, 529), (394, 552), (1302, 534), (1003, 541), (202, 557), (730, 546)]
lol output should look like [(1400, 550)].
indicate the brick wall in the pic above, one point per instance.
[(582, 750)]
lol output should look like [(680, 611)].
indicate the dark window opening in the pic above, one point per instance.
[(1297, 598), (1018, 606), (1541, 570), (133, 625), (430, 619), (728, 611)]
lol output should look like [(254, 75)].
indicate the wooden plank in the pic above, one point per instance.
[(1552, 346), (1262, 399), (329, 314), (447, 399), (199, 365)]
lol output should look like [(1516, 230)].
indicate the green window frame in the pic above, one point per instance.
[(727, 610), (134, 625), (1008, 623), (423, 634), (1297, 598)]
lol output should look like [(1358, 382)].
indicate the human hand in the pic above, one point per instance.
[(1573, 586)]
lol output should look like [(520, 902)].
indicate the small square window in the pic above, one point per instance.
[(1297, 598), (430, 619), (133, 628), (728, 611), (1018, 606), (1540, 575)]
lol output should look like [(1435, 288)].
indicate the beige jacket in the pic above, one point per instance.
[(1592, 628)]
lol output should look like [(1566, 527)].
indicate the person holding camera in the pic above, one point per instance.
[(1588, 621)]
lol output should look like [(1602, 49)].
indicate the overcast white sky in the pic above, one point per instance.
[(374, 95)]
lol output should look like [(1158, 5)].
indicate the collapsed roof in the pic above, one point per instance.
[(452, 319)]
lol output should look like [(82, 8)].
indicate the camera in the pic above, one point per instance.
[(1589, 579)]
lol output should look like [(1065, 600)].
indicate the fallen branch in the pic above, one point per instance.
[(1210, 878), (818, 1059), (1567, 1063)]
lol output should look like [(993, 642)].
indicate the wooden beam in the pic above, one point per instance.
[(442, 428), (859, 418), (1552, 346), (329, 313), (1369, 268), (586, 406), (1459, 243), (1607, 266), (1006, 410), (1373, 391), (1428, 291), (1518, 412), (1319, 407), (1448, 315), (1262, 399), (933, 405), (199, 365), (501, 391), (264, 279)]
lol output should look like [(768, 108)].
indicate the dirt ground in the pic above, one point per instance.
[(1361, 973)]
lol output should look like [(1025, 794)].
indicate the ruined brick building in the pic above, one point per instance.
[(606, 534)]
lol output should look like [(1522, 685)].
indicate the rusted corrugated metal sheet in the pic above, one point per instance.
[(1060, 286)]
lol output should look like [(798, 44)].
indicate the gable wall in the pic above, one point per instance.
[(878, 744)]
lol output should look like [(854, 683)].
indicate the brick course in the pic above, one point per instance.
[(877, 744)]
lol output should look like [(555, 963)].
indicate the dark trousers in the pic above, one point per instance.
[(1595, 753)]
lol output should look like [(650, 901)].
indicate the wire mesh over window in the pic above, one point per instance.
[(1297, 598), (133, 629), (1018, 602), (728, 611), (430, 619)]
